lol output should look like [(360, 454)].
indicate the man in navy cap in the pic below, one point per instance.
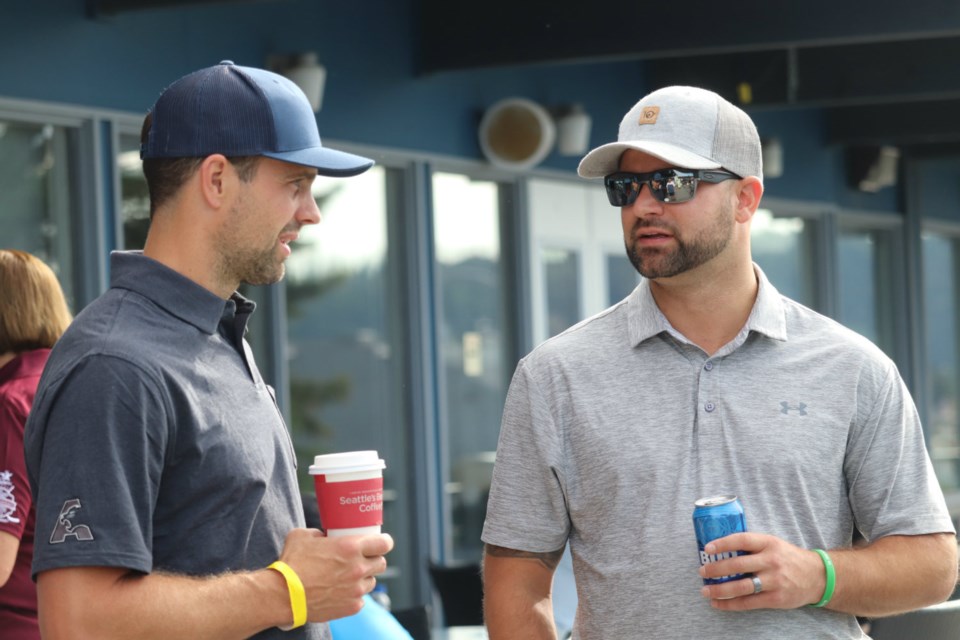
[(164, 475)]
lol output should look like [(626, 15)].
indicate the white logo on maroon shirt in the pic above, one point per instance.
[(8, 501)]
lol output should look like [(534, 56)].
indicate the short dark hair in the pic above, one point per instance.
[(165, 176)]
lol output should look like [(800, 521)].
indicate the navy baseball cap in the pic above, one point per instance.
[(242, 111)]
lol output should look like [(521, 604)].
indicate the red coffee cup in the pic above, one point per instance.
[(349, 492)]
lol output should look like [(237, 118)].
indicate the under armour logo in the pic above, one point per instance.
[(66, 528), (785, 408)]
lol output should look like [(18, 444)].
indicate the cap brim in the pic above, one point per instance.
[(605, 159), (327, 162)]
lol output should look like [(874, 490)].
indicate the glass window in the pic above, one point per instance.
[(784, 248), (864, 264), (345, 333), (561, 267), (576, 258), (474, 347), (941, 288), (622, 277), (36, 196), (134, 198)]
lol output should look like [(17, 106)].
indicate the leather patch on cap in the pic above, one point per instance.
[(649, 115)]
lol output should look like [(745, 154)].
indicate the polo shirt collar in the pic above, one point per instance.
[(769, 313), (646, 320), (174, 293)]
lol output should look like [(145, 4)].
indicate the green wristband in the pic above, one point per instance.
[(831, 578)]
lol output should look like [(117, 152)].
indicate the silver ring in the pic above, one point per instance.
[(757, 585)]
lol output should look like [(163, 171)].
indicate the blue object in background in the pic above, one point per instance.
[(380, 595), (373, 621), (564, 595)]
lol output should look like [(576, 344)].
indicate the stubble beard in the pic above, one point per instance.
[(258, 267), (263, 269), (687, 255), (254, 266)]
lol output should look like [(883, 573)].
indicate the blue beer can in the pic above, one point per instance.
[(716, 517)]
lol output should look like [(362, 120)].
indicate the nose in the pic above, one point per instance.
[(309, 213)]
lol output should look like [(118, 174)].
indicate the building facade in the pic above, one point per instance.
[(404, 313)]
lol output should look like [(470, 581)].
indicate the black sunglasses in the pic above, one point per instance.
[(667, 185)]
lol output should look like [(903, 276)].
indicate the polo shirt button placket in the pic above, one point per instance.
[(709, 407)]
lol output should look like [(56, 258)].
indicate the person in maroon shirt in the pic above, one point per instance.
[(33, 315)]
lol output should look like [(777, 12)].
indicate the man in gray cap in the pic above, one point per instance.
[(164, 476), (705, 381)]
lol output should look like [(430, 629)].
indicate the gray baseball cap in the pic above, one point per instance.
[(688, 127)]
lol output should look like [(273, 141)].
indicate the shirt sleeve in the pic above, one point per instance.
[(15, 498), (892, 485), (527, 509), (95, 449)]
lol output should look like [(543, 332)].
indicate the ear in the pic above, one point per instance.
[(749, 192), (216, 174)]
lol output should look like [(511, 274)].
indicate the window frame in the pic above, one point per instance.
[(84, 190)]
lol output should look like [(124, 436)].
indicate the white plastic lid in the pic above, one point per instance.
[(347, 462)]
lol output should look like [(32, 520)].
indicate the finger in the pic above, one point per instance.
[(731, 589), (376, 545), (734, 566), (379, 565), (369, 583), (751, 542), (372, 567), (740, 595)]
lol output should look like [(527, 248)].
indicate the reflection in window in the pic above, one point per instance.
[(622, 277), (134, 198), (346, 360), (474, 341), (561, 267), (783, 248), (864, 262), (941, 261), (36, 198)]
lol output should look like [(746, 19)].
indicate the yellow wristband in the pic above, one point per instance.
[(298, 597)]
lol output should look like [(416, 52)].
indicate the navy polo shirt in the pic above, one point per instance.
[(154, 443)]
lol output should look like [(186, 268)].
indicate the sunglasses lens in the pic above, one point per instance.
[(676, 187), (622, 190), (670, 186)]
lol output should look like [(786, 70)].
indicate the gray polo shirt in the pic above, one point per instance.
[(154, 443), (612, 429)]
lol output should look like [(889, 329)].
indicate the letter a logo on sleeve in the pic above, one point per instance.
[(65, 527)]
